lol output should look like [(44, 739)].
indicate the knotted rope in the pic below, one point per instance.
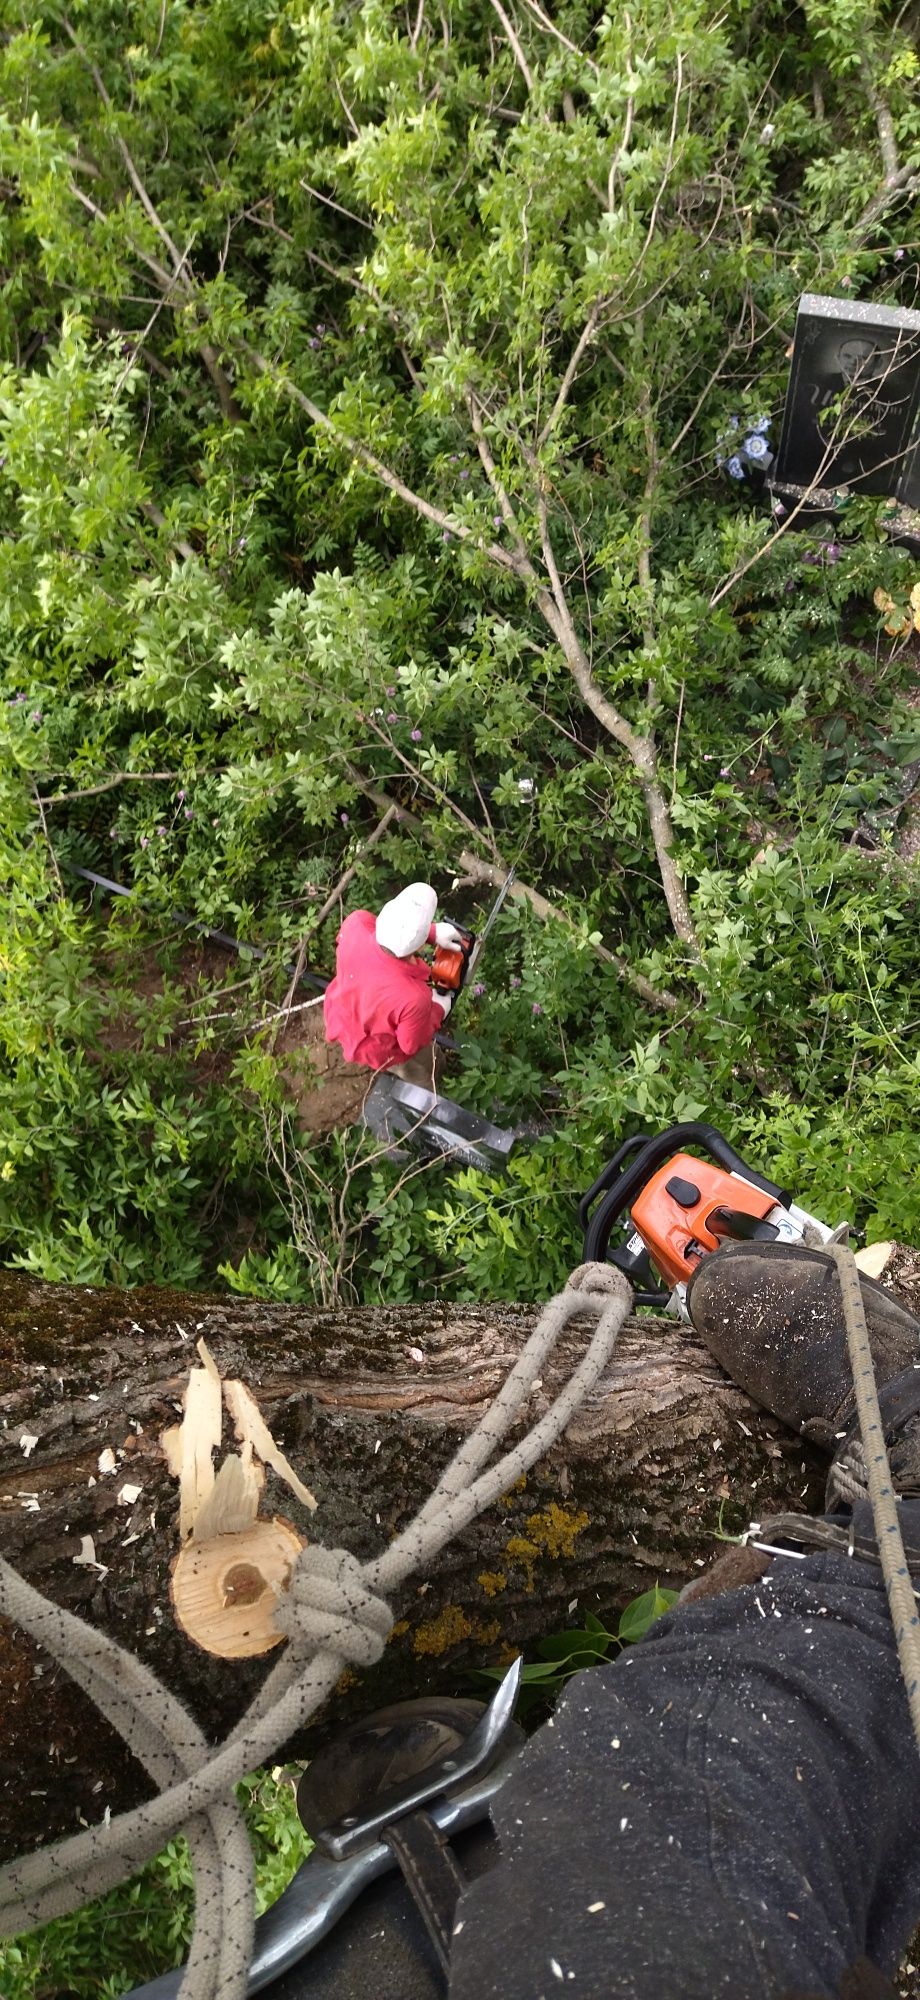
[(335, 1614)]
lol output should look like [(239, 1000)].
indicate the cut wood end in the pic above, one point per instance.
[(224, 1591), (873, 1259)]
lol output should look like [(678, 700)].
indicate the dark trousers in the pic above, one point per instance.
[(733, 1808)]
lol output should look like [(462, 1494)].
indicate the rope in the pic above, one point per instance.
[(901, 1600), (335, 1613)]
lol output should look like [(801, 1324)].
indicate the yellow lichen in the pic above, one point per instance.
[(401, 1626), (507, 1499), (551, 1533), (555, 1529), (486, 1630), (436, 1635), (493, 1582)]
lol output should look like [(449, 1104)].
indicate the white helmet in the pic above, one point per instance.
[(404, 923)]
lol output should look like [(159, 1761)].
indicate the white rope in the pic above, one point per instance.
[(334, 1614)]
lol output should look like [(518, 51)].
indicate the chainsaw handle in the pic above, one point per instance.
[(622, 1184), (608, 1175)]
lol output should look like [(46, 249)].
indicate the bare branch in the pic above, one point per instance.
[(516, 48), (549, 28), (888, 145), (491, 874), (584, 338), (342, 884), (389, 479), (44, 823), (111, 784)]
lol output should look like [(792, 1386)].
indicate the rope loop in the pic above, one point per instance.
[(600, 1278), (328, 1608)]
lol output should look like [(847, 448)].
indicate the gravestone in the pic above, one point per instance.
[(852, 418)]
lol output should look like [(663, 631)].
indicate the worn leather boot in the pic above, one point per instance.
[(772, 1315)]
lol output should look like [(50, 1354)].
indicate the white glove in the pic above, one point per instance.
[(449, 936), (445, 1000)]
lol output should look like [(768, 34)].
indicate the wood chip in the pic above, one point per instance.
[(128, 1495), (873, 1257), (27, 1443), (232, 1505), (106, 1460), (252, 1429)]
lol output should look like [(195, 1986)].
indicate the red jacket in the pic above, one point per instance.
[(378, 1007)]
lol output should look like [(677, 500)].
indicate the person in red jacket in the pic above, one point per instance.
[(380, 1006)]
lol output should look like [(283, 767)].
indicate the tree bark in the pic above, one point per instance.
[(369, 1405)]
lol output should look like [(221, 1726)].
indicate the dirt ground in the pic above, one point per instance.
[(327, 1090)]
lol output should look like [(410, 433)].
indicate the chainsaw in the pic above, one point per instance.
[(452, 965), (662, 1210)]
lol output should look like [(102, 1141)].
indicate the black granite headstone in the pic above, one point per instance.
[(851, 418)]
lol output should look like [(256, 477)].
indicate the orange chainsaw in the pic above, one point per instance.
[(452, 965), (663, 1210)]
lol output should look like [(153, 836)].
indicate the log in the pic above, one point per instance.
[(368, 1404)]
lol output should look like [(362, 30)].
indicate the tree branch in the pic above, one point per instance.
[(515, 45), (382, 472), (491, 874), (342, 884)]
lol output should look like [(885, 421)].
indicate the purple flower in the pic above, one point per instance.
[(189, 813), (454, 457), (180, 796), (536, 1008), (445, 537), (833, 552), (344, 817), (897, 258), (514, 981), (144, 840), (389, 690), (314, 343), (416, 735), (735, 468), (479, 989), (779, 510), (393, 717), (464, 475), (161, 831), (725, 771), (36, 715), (846, 281), (789, 585), (496, 520)]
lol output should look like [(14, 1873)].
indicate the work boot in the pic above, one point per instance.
[(772, 1315)]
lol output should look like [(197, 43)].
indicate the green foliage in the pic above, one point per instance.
[(562, 1654), (310, 338), (144, 1928)]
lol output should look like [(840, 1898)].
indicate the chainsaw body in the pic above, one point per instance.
[(450, 965), (658, 1210)]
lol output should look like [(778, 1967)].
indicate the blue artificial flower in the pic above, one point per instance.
[(734, 422), (735, 468), (756, 447), (762, 425)]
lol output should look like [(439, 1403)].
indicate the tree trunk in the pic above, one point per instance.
[(369, 1405)]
